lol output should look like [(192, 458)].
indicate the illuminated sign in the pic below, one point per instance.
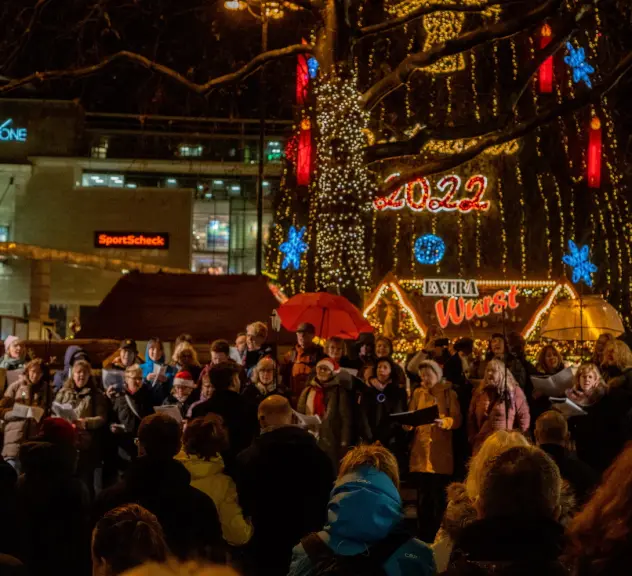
[(132, 240), (416, 196), (10, 134), (463, 302)]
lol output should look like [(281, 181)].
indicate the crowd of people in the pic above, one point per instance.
[(292, 465)]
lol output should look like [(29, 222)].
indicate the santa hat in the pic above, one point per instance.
[(57, 431), (331, 364), (432, 365), (184, 379)]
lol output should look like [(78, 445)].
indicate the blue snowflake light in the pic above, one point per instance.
[(312, 67), (429, 249), (293, 248), (576, 59), (579, 261)]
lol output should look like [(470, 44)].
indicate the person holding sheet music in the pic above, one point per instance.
[(431, 453), (549, 362), (90, 407), (498, 404), (24, 404), (157, 374), (130, 406), (596, 432)]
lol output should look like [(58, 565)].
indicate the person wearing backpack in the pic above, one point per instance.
[(363, 535)]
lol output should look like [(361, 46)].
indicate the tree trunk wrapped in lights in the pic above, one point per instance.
[(342, 191)]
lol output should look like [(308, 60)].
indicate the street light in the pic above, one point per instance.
[(264, 11)]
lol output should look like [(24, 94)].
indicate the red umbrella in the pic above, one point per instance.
[(331, 315)]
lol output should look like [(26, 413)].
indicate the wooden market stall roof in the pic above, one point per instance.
[(142, 306)]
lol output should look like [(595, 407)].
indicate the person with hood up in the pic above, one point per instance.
[(80, 391), (157, 374), (73, 353), (363, 530), (181, 393), (203, 440), (498, 404), (431, 453), (14, 353), (130, 406), (329, 397), (53, 504), (283, 481), (162, 485), (30, 391)]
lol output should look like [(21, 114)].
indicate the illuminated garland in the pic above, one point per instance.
[(343, 190)]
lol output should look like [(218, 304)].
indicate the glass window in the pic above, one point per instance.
[(4, 233), (188, 151), (100, 150), (103, 180), (218, 234)]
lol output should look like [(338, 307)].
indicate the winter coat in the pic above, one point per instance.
[(239, 420), (253, 356), (581, 477), (91, 405), (72, 354), (375, 408), (54, 511), (488, 413), (128, 410), (298, 365), (187, 515), (18, 430), (337, 422), (365, 507), (159, 390), (509, 547), (431, 449), (283, 481), (208, 476)]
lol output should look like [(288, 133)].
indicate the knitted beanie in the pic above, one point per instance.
[(432, 365)]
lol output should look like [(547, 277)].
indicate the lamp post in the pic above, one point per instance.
[(264, 11)]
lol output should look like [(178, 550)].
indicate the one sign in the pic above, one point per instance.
[(10, 134), (463, 303), (132, 240), (416, 196)]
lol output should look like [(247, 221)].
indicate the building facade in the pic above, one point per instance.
[(85, 198)]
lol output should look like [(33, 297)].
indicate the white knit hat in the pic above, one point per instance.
[(10, 340), (184, 379), (432, 365)]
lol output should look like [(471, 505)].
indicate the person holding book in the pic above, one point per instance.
[(431, 453), (498, 404), (549, 363), (328, 396), (181, 393), (595, 433), (24, 404), (157, 374)]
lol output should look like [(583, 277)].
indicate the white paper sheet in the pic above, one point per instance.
[(554, 386), (171, 410)]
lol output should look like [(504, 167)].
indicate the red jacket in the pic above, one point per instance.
[(488, 413)]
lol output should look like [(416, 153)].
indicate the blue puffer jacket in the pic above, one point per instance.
[(159, 391), (364, 508)]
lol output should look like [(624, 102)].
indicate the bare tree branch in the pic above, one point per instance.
[(240, 74), (26, 36), (567, 106), (426, 9), (463, 43)]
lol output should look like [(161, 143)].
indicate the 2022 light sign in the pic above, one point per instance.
[(416, 195)]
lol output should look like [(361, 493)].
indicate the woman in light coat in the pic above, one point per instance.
[(431, 451)]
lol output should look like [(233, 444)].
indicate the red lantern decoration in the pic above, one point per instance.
[(304, 155), (302, 79), (594, 154), (546, 68)]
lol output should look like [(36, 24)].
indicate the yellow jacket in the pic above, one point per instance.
[(431, 449), (208, 477)]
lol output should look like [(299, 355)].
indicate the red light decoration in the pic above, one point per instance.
[(416, 196), (304, 154), (594, 154), (302, 79), (546, 68), (455, 310)]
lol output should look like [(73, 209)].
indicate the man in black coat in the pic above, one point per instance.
[(162, 485), (283, 481), (551, 434), (226, 401)]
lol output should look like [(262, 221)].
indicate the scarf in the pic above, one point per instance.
[(316, 401)]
